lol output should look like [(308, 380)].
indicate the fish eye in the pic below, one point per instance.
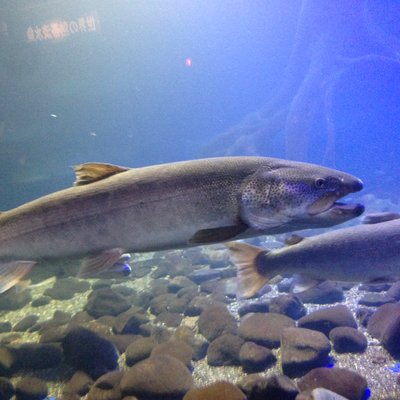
[(320, 183)]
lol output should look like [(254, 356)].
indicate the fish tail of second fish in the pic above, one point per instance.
[(248, 260)]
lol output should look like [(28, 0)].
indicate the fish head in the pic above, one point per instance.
[(275, 198)]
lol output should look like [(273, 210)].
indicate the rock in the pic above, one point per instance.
[(197, 342), (216, 391), (139, 350), (6, 389), (121, 342), (168, 302), (363, 315), (224, 350), (29, 388), (25, 323), (319, 394), (79, 385), (178, 283), (158, 287), (325, 319), (375, 287), (348, 340), (8, 360), (284, 285), (203, 275), (87, 351), (326, 292), (169, 319), (384, 325), (37, 356), (375, 299), (159, 333), (394, 291), (255, 358), (225, 288), (302, 350), (264, 329), (53, 335), (348, 384), (5, 327), (162, 377), (278, 387), (197, 305), (254, 307), (129, 322), (107, 387), (174, 348), (15, 298), (287, 304), (65, 289), (106, 302), (216, 320)]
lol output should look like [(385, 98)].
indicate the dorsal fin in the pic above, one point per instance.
[(92, 172)]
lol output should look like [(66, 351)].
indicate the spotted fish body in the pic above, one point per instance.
[(167, 206)]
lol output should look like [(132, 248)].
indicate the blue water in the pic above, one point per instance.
[(138, 82)]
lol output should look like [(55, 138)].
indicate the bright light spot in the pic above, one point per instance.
[(92, 134), (188, 62), (53, 115)]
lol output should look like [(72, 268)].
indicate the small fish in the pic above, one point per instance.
[(112, 210), (362, 253)]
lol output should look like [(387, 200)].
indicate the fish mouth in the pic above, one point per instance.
[(329, 201), (326, 206), (339, 209)]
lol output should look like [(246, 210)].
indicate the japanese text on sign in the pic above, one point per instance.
[(61, 29)]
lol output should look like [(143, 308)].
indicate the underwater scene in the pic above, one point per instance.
[(199, 200)]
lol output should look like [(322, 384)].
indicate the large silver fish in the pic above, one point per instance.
[(114, 209), (356, 254)]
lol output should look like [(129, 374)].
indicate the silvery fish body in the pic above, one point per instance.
[(361, 253), (172, 206)]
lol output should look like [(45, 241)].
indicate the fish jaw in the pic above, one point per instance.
[(274, 199)]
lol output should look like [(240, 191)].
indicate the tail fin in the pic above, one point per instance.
[(250, 279)]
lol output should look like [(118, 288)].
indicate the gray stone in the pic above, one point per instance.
[(264, 329), (325, 319), (302, 350), (278, 387), (162, 377), (216, 320), (326, 292), (30, 388), (348, 340), (174, 348), (348, 384), (319, 394), (384, 325), (255, 358), (139, 350), (216, 391), (224, 350), (106, 302), (287, 304)]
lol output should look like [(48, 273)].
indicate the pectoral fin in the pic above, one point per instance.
[(217, 235), (302, 283), (262, 222), (92, 172), (13, 272), (92, 266)]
